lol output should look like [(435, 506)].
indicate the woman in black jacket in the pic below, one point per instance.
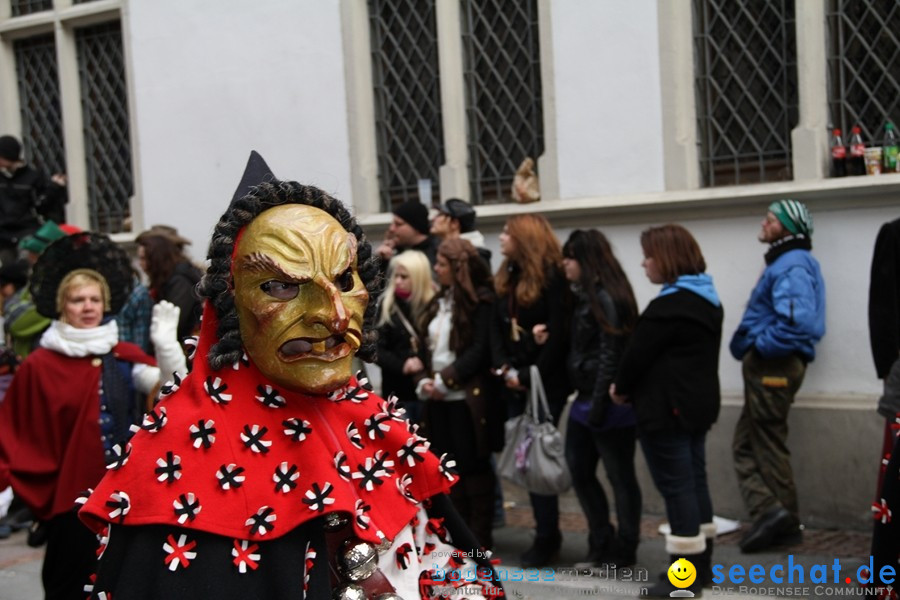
[(670, 374), (531, 290), (173, 277), (603, 315), (457, 393), (401, 343)]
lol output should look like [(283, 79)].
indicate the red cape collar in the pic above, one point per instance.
[(228, 453)]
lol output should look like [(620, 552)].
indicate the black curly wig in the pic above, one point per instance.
[(216, 284)]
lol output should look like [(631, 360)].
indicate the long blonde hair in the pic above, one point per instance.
[(421, 285)]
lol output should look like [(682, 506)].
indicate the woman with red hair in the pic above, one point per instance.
[(670, 374), (532, 291)]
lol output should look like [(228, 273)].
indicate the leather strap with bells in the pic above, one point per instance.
[(353, 563)]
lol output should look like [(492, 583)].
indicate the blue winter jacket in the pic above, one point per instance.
[(786, 311)]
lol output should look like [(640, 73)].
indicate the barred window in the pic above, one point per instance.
[(408, 128), (26, 7), (106, 126), (746, 89), (503, 93), (864, 65), (38, 79)]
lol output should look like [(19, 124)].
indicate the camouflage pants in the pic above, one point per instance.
[(761, 456)]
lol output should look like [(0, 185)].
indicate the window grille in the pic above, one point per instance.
[(106, 127), (38, 84), (864, 65), (26, 7), (82, 1), (408, 129), (746, 88), (503, 93)]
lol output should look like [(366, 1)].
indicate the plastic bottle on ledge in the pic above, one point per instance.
[(838, 155), (890, 149), (856, 161)]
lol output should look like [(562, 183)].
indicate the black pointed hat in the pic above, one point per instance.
[(84, 250), (255, 173)]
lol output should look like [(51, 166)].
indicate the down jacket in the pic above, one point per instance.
[(786, 310)]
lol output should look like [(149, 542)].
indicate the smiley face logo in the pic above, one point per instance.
[(682, 573)]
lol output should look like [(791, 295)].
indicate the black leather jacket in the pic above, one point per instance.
[(594, 353)]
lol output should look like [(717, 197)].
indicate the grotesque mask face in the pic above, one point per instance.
[(300, 301)]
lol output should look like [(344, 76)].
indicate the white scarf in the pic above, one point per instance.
[(74, 342)]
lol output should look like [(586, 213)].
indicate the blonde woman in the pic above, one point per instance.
[(68, 413), (401, 343)]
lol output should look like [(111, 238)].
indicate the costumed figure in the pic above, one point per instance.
[(68, 413), (269, 471)]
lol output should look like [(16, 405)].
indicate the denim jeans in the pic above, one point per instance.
[(677, 463), (585, 447)]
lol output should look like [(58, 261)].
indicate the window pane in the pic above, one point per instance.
[(503, 93), (27, 7), (746, 86), (36, 72), (864, 65), (407, 97), (106, 131)]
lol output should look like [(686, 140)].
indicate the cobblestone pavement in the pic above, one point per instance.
[(815, 541), (20, 565)]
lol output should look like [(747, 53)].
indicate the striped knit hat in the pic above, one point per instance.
[(793, 215)]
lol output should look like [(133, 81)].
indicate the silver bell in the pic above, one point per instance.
[(356, 559), (348, 591), (383, 546), (335, 521)]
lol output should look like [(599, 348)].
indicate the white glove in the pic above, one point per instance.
[(163, 334)]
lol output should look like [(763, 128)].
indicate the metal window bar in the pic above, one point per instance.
[(106, 127), (746, 89), (19, 8), (408, 127), (38, 85), (863, 65), (503, 93)]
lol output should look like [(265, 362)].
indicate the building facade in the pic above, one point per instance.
[(638, 113)]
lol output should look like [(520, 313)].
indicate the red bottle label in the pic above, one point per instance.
[(838, 152)]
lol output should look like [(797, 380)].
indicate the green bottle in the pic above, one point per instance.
[(890, 149)]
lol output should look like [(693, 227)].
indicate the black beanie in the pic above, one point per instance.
[(414, 213), (10, 148)]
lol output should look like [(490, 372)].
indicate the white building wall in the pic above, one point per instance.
[(214, 79), (607, 89)]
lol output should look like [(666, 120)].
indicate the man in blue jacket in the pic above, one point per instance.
[(784, 319)]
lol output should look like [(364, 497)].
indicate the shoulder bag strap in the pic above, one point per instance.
[(538, 396), (413, 336)]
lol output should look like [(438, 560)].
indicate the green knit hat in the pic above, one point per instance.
[(793, 215), (43, 237)]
